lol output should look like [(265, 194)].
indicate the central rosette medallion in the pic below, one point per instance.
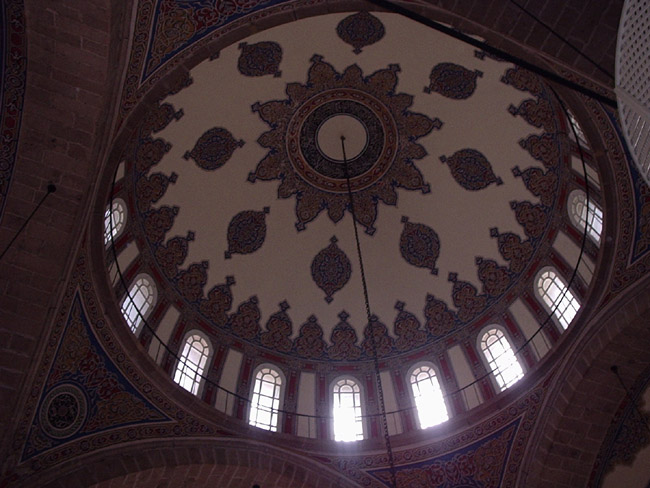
[(314, 142), (305, 144)]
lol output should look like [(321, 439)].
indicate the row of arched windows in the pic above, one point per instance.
[(347, 407), (346, 394)]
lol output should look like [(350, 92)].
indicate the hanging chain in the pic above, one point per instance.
[(373, 340)]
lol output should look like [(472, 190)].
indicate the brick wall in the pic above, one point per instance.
[(65, 124), (177, 463), (587, 394)]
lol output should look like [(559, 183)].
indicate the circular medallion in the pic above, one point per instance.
[(63, 411), (314, 140)]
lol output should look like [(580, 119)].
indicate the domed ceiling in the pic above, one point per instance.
[(456, 164)]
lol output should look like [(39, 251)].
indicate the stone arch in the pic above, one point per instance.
[(196, 463), (585, 394)]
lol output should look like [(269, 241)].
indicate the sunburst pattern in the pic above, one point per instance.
[(316, 179)]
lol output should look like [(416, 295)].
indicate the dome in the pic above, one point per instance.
[(242, 184)]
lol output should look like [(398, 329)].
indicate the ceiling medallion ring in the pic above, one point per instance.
[(325, 171)]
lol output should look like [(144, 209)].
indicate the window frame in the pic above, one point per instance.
[(553, 308), (409, 375), (119, 226), (208, 357), (362, 407), (487, 362), (140, 316), (282, 388), (594, 214)]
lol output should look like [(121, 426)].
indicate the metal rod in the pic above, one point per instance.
[(50, 189), (373, 342)]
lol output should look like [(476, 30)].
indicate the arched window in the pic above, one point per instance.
[(191, 364), (581, 134), (428, 396), (556, 296), (114, 220), (348, 424), (139, 301), (582, 214), (501, 358), (265, 402)]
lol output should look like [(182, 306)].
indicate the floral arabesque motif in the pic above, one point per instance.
[(259, 59), (158, 222), (466, 299), (407, 329), (246, 321), (213, 149), (531, 217), (344, 341), (331, 269), (287, 163), (360, 30), (539, 183), (440, 320), (218, 302), (471, 169), (246, 232), (452, 81), (496, 279), (384, 343), (149, 189), (190, 283), (279, 328), (543, 147), (310, 343), (419, 245), (171, 255), (513, 249)]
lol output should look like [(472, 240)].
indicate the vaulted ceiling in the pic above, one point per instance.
[(229, 115)]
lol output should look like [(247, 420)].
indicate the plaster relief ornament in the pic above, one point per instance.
[(306, 156)]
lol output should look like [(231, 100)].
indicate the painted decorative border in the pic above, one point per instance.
[(13, 67)]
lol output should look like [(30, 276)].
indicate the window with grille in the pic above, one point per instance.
[(194, 356), (265, 402), (557, 297), (582, 214), (501, 358), (348, 423), (114, 220), (138, 302), (428, 397)]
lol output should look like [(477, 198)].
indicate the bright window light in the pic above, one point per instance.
[(501, 358), (428, 397), (348, 424), (189, 369), (266, 399)]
